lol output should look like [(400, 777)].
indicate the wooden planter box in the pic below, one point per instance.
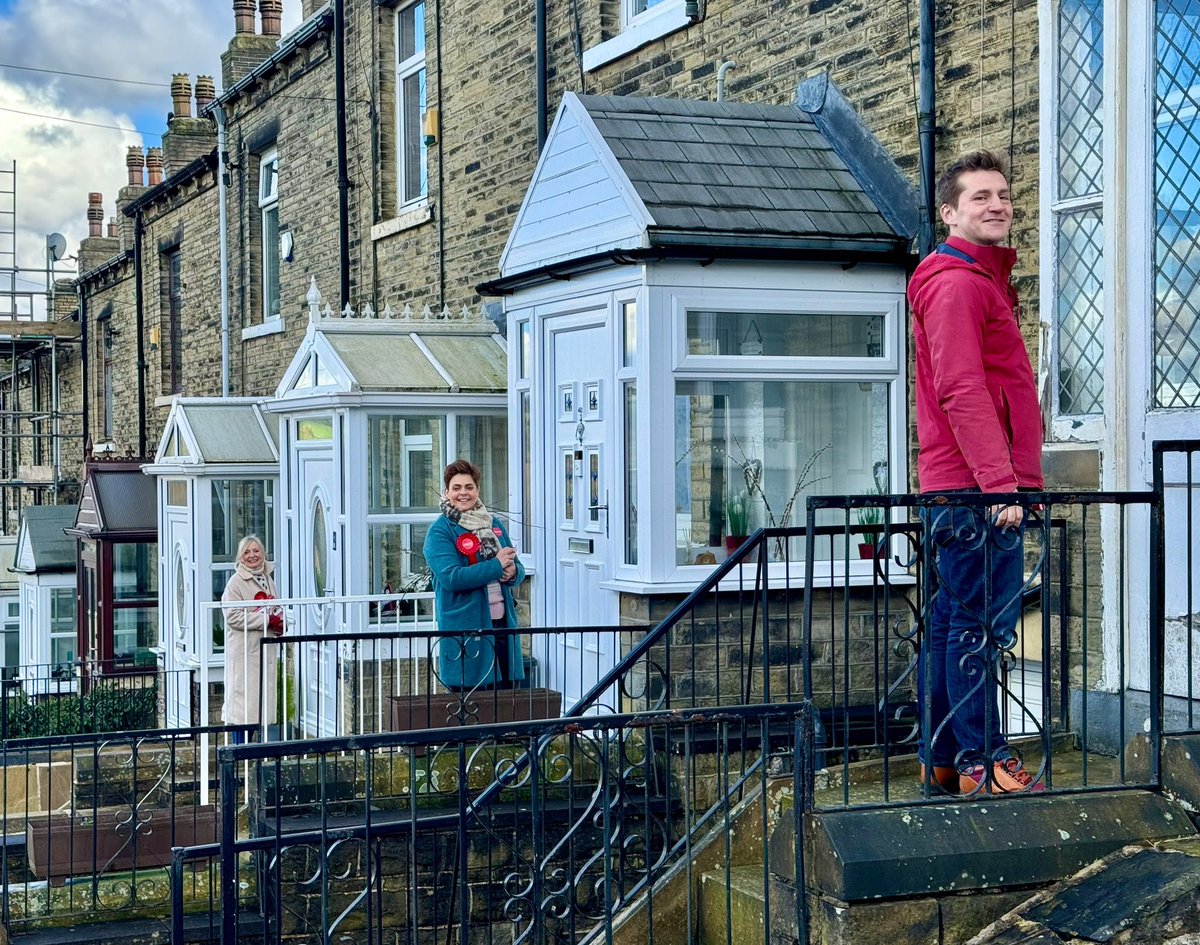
[(485, 706), (63, 845)]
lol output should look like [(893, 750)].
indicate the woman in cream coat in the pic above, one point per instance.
[(252, 581)]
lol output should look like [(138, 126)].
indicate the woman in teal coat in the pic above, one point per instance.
[(475, 568)]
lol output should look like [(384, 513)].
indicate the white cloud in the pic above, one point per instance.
[(58, 163)]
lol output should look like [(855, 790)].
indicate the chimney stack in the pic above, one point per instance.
[(271, 12), (95, 213), (154, 165), (113, 232), (181, 95), (134, 162), (206, 91), (243, 17)]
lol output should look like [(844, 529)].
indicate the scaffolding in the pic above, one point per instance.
[(35, 347)]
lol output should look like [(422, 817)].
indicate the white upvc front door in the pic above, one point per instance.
[(317, 574), (178, 613), (579, 465)]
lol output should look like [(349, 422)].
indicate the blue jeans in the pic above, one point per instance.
[(971, 613)]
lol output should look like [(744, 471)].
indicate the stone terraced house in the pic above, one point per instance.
[(645, 198)]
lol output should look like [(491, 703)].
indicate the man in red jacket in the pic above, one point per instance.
[(979, 429)]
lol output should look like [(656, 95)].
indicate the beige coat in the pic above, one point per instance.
[(244, 631)]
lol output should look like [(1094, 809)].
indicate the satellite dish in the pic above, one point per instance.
[(56, 246)]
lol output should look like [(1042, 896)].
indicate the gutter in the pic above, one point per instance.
[(343, 170), (81, 296), (847, 252), (112, 263), (315, 26), (139, 309), (218, 113), (926, 128), (539, 69), (185, 174)]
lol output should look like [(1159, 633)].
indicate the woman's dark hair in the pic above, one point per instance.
[(461, 467)]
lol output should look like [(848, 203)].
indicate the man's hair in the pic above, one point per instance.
[(461, 467), (949, 187)]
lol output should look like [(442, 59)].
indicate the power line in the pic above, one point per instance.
[(85, 75), (76, 121)]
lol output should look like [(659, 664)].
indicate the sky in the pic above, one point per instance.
[(59, 162)]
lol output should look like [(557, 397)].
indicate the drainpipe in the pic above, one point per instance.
[(218, 113), (138, 232), (724, 67), (539, 29), (83, 361), (339, 72), (926, 122)]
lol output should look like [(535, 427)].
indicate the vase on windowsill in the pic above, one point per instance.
[(733, 543), (866, 550)]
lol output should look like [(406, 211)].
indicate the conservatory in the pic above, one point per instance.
[(370, 410), (217, 469), (711, 332), (117, 568), (44, 565)]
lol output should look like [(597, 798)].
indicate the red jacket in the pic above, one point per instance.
[(978, 420)]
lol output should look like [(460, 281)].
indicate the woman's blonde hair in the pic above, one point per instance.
[(245, 543)]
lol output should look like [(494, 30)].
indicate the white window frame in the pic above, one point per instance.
[(1067, 428), (268, 203), (889, 368), (638, 29), (405, 69), (70, 634)]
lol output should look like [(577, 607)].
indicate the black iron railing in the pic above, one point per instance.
[(599, 823), (352, 683), (1175, 570), (1044, 658), (89, 822)]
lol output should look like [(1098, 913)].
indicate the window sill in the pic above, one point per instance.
[(861, 575), (165, 400), (272, 327), (405, 220), (660, 22)]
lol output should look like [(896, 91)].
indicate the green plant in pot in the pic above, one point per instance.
[(871, 518), (737, 519)]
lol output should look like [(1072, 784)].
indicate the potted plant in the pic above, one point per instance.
[(871, 518), (737, 519)]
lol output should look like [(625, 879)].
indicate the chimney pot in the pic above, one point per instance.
[(243, 17), (181, 95), (154, 165), (95, 213), (206, 91), (271, 12), (134, 162), (113, 232)]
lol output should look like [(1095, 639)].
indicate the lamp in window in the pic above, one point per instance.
[(752, 341)]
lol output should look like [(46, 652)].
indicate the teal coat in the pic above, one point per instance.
[(460, 595)]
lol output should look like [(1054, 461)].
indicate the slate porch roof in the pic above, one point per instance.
[(42, 545), (654, 177), (117, 500), (735, 168)]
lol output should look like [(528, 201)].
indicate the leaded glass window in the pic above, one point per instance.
[(1077, 197), (1176, 355)]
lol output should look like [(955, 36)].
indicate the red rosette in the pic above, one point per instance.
[(468, 545), (262, 595)]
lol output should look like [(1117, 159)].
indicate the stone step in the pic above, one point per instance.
[(743, 906), (1136, 895)]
